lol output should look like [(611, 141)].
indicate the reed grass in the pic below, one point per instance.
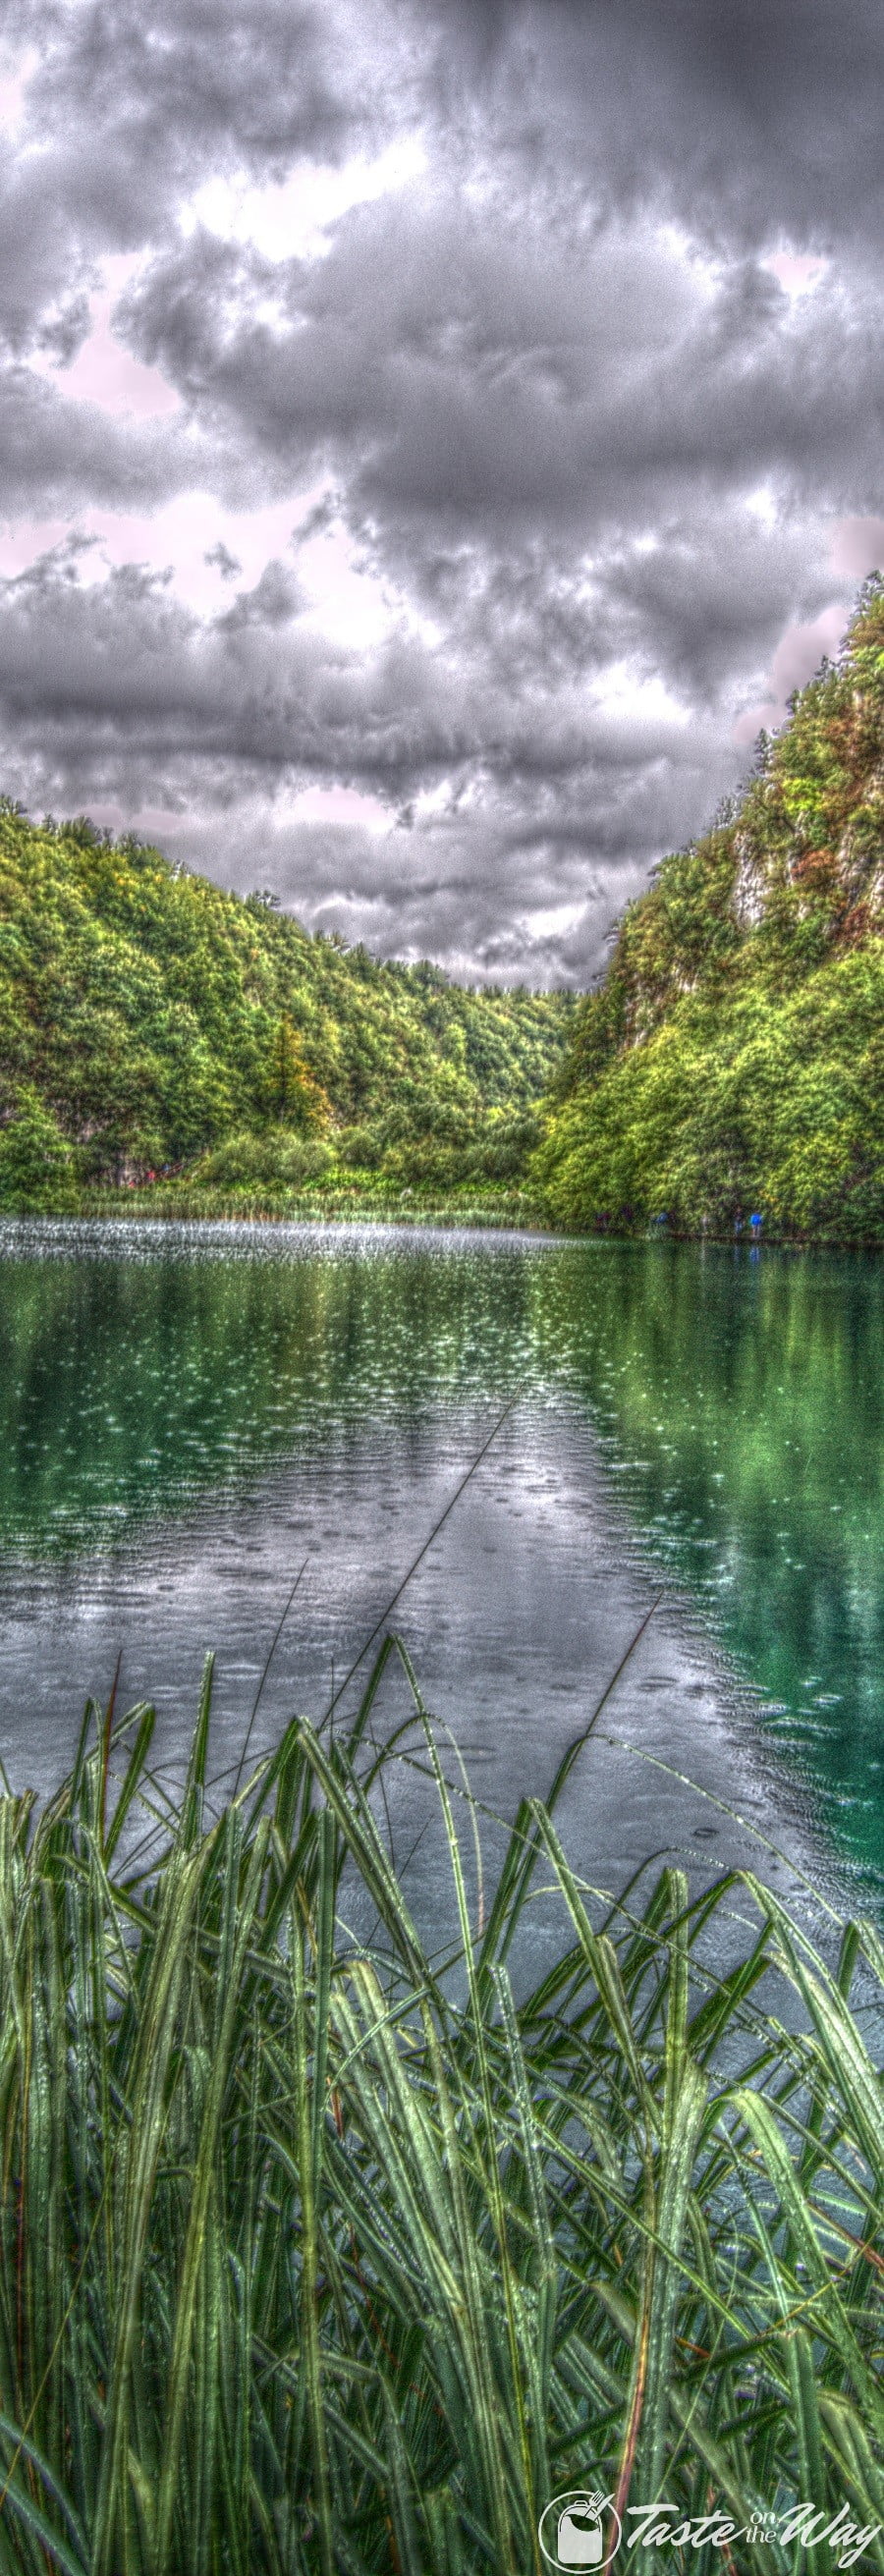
[(321, 2253), (356, 1198)]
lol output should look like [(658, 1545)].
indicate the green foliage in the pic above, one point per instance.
[(759, 1104), (319, 2252), (734, 1056), (155, 1018), (37, 1164), (272, 1158), (294, 1095)]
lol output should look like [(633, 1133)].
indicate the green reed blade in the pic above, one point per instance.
[(312, 2255)]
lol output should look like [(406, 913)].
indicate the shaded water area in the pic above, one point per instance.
[(190, 1415)]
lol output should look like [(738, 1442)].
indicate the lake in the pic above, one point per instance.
[(194, 1416)]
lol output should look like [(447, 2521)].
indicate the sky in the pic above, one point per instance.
[(436, 436)]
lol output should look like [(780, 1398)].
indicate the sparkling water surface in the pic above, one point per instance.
[(192, 1416)]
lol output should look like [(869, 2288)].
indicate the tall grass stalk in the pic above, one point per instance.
[(318, 2255)]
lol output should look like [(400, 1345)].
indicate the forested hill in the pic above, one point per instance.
[(148, 1020), (732, 1061)]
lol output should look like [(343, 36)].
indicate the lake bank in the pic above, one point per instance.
[(353, 1199), (368, 1198)]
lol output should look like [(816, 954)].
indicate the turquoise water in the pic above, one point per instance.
[(160, 1388), (741, 1402)]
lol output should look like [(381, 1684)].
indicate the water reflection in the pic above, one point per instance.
[(742, 1405), (181, 1410)]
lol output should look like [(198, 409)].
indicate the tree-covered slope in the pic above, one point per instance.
[(732, 1061), (148, 1019)]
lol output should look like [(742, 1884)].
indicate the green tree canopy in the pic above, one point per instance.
[(148, 1019), (732, 1061)]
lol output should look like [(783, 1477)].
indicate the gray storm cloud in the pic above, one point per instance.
[(573, 394)]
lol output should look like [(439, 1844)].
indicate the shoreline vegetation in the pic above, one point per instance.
[(321, 2252), (342, 1203), (169, 1048)]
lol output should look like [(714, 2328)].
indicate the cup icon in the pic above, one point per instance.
[(579, 2534), (580, 2529)]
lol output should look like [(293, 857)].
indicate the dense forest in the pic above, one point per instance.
[(731, 1064), (161, 1035), (200, 1049)]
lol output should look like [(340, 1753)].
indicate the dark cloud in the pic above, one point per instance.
[(108, 687), (128, 108), (748, 120), (257, 684), (562, 399), (462, 363), (59, 456)]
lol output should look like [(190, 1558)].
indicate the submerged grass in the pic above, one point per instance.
[(318, 2254)]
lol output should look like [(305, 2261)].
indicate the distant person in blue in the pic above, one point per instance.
[(756, 1223)]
